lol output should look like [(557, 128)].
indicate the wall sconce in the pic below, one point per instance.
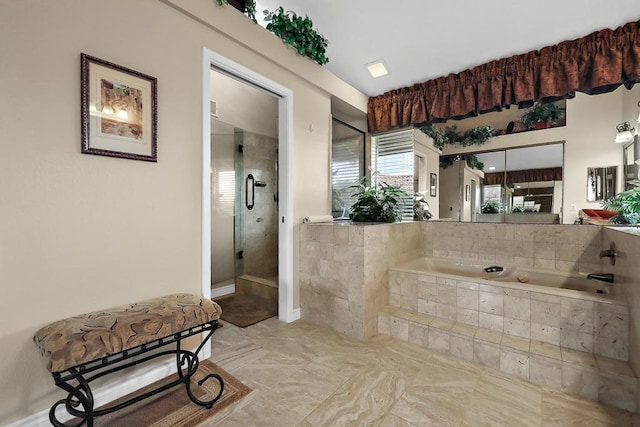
[(625, 134)]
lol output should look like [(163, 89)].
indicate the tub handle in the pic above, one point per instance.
[(494, 269)]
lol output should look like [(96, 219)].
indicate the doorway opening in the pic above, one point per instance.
[(247, 204)]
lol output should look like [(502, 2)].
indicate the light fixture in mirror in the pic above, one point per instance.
[(625, 133)]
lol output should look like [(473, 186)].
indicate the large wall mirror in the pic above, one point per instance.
[(519, 185)]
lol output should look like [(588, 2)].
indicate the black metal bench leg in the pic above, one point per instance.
[(192, 368), (79, 396)]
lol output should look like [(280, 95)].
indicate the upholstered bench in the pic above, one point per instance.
[(83, 348)]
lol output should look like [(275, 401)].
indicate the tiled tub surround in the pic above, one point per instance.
[(562, 339), (572, 319), (627, 274), (343, 272)]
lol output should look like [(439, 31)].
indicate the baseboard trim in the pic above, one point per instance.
[(295, 314), (223, 290), (128, 384)]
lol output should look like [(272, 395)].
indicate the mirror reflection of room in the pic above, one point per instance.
[(522, 185), (587, 137)]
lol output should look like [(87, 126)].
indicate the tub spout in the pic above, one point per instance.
[(604, 277)]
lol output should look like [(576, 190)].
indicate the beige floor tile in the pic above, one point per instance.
[(260, 412), (561, 409), (307, 376), (364, 400), (502, 399), (391, 420)]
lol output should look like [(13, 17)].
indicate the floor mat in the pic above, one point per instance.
[(246, 310), (173, 408)]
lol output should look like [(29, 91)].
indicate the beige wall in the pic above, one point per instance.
[(423, 146), (80, 232)]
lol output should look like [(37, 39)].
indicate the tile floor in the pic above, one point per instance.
[(304, 375)]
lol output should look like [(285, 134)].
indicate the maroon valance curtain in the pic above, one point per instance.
[(527, 175), (594, 64)]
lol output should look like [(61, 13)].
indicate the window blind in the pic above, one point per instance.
[(392, 159)]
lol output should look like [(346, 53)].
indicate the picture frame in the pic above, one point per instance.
[(119, 111), (433, 185), (467, 192)]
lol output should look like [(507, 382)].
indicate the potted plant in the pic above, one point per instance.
[(542, 116), (377, 203), (627, 204), (490, 207), (299, 33)]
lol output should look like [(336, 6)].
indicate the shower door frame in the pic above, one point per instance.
[(214, 61)]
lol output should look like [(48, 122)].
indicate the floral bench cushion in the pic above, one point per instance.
[(88, 337)]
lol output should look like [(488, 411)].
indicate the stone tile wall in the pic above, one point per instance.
[(627, 280), (587, 326), (343, 271), (554, 247)]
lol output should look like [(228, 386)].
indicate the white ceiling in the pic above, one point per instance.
[(424, 39)]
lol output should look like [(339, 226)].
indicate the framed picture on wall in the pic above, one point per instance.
[(433, 185), (119, 111), (467, 192)]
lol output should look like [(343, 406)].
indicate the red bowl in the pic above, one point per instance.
[(599, 213)]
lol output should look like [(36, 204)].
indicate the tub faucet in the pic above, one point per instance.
[(604, 277)]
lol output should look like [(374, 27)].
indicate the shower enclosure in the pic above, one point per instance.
[(244, 220)]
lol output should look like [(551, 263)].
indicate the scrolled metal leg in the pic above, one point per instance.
[(54, 420), (206, 403), (79, 396)]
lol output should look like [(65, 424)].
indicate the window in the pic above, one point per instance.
[(347, 166), (392, 158)]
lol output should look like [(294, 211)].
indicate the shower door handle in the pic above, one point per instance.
[(253, 191)]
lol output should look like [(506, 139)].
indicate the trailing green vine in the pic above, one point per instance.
[(471, 160), (249, 8), (450, 135), (299, 33)]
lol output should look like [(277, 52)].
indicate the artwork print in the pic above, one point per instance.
[(124, 105), (119, 111)]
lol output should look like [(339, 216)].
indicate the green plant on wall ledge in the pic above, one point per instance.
[(627, 204), (471, 160), (377, 203), (249, 8), (542, 116), (449, 135), (299, 33)]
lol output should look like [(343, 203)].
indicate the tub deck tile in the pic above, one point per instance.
[(517, 343), (545, 349)]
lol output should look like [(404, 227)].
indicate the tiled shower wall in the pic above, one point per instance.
[(261, 223), (627, 276)]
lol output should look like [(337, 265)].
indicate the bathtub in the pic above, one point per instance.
[(567, 284)]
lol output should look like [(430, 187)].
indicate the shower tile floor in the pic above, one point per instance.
[(305, 375)]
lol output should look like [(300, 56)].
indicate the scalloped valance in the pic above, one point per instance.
[(594, 64)]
